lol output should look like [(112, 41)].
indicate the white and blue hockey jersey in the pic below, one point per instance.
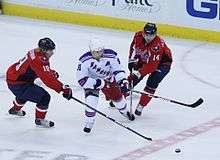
[(107, 68)]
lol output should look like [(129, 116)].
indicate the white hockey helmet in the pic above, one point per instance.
[(96, 47)]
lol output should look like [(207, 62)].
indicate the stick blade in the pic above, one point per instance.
[(197, 103)]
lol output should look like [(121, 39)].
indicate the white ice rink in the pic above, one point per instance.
[(195, 73)]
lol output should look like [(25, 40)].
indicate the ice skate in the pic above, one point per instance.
[(128, 115), (44, 123), (138, 110), (88, 125), (18, 113)]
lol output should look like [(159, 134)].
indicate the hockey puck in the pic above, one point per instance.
[(177, 150)]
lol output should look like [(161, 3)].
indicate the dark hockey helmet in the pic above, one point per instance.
[(46, 44), (150, 29)]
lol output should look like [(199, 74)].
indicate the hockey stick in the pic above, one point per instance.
[(131, 95), (111, 119), (131, 98), (193, 105)]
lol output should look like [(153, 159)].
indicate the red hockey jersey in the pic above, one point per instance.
[(34, 65), (150, 55)]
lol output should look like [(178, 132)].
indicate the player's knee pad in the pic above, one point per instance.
[(45, 100)]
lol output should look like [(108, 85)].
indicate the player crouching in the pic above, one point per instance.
[(22, 74), (100, 69)]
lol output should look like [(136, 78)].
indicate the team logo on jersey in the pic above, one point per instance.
[(156, 49)]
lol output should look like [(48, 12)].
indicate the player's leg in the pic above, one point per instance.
[(41, 109), (114, 94), (41, 97), (18, 103), (38, 95), (17, 107), (152, 83), (92, 97)]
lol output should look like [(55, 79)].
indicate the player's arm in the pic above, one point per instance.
[(41, 67), (131, 49), (85, 80), (167, 55), (133, 60), (117, 69), (119, 74)]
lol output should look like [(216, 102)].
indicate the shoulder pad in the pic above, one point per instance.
[(109, 53), (160, 40), (139, 33), (86, 56), (32, 55), (41, 57)]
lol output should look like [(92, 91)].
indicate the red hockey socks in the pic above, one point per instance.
[(40, 113), (145, 99), (17, 105)]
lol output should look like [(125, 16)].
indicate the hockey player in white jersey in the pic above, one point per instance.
[(100, 69)]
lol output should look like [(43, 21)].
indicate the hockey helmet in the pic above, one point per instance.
[(150, 28), (46, 44), (96, 47), (150, 32)]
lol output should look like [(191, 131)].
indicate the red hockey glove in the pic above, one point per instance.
[(67, 92), (131, 64), (135, 77)]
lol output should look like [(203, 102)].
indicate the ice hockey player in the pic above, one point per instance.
[(20, 78), (148, 55), (100, 69)]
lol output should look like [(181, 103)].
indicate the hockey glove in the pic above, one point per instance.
[(99, 84), (131, 64), (123, 84), (135, 77), (67, 92), (166, 59)]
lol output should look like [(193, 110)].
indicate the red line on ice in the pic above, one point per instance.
[(171, 140)]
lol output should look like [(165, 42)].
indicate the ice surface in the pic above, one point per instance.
[(195, 73)]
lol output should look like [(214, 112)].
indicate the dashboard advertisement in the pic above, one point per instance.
[(198, 14)]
